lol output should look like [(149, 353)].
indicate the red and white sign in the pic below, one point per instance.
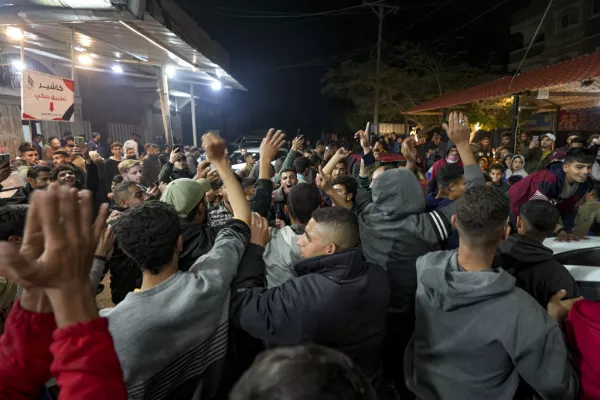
[(47, 97)]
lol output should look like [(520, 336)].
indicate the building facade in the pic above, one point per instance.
[(571, 28)]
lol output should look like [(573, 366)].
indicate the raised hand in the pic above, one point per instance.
[(175, 156), (409, 150), (458, 128), (298, 143), (272, 143), (202, 170), (323, 180), (215, 147), (106, 243), (363, 136), (341, 154), (58, 244)]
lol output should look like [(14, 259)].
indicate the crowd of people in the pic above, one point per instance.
[(330, 273)]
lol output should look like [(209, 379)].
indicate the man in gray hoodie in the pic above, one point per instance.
[(395, 230), (477, 335)]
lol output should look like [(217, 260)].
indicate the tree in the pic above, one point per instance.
[(408, 76)]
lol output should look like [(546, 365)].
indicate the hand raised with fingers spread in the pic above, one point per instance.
[(59, 241), (271, 144), (458, 128)]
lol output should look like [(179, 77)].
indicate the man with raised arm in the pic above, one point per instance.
[(171, 336)]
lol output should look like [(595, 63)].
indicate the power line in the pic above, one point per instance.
[(530, 44), (444, 4), (472, 20), (299, 15)]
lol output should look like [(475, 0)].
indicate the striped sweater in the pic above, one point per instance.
[(171, 340)]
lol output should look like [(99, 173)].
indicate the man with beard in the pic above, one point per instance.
[(49, 149), (131, 170), (130, 153), (60, 157), (539, 153), (151, 165), (279, 214)]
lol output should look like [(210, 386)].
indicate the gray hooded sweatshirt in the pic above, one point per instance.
[(477, 334)]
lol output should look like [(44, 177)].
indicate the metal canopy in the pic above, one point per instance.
[(137, 46)]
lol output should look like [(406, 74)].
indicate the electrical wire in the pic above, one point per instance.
[(529, 47), (444, 4), (299, 15), (472, 20)]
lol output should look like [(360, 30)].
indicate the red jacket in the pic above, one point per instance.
[(547, 185), (582, 329), (82, 358)]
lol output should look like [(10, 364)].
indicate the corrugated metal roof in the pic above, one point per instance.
[(565, 77)]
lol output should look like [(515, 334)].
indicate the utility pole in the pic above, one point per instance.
[(381, 10)]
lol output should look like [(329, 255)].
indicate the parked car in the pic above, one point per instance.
[(238, 166), (582, 259)]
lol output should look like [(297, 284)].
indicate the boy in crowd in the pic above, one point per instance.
[(524, 256), (111, 165), (476, 334), (562, 183), (131, 170), (497, 174), (282, 252), (197, 301), (538, 153), (451, 185)]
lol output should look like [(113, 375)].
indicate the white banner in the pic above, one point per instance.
[(47, 97)]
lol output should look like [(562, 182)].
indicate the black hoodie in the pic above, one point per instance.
[(535, 269)]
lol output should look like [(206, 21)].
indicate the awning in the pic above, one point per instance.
[(118, 41), (572, 84)]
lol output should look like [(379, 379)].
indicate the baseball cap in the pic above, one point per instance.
[(185, 194), (549, 136)]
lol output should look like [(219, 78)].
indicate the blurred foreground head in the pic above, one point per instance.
[(304, 372)]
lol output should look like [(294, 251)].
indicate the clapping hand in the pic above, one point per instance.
[(58, 244)]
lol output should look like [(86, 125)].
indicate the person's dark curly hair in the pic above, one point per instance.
[(148, 235), (12, 220), (348, 182), (482, 215), (63, 167)]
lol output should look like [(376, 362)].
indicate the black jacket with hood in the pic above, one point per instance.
[(339, 301), (534, 267)]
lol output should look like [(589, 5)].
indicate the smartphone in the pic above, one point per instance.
[(536, 138), (4, 157), (79, 141)]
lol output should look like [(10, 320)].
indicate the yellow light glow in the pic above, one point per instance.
[(477, 126), (85, 59), (14, 33)]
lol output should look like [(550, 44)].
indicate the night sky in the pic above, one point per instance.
[(280, 60)]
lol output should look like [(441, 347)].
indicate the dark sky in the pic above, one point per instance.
[(282, 59)]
